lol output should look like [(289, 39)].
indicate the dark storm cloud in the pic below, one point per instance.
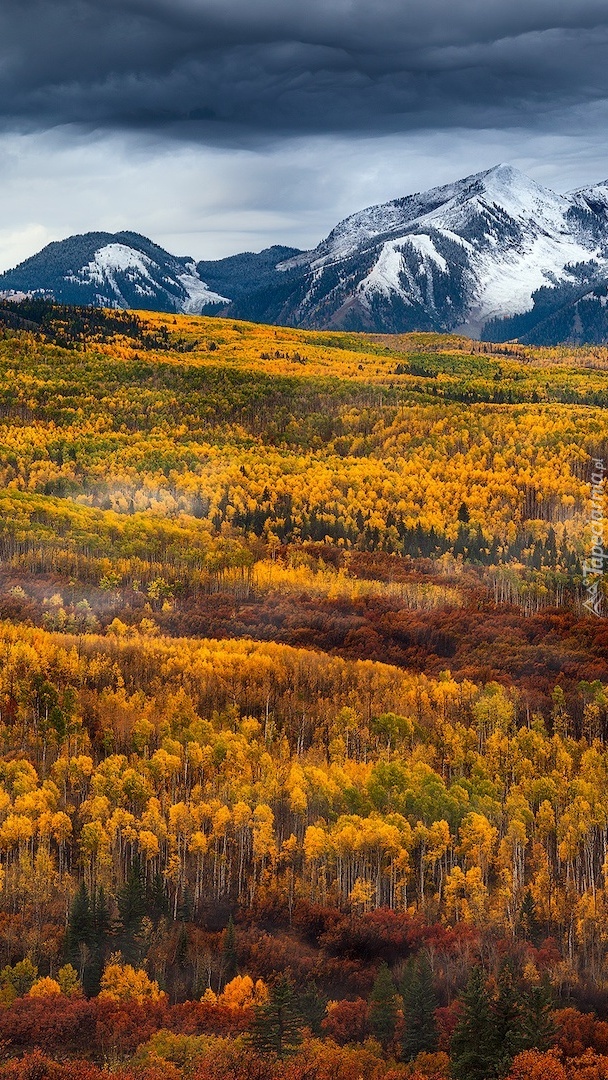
[(233, 68)]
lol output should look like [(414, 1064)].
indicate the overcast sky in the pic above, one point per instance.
[(216, 126)]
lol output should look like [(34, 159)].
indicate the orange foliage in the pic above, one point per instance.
[(532, 1065), (578, 1032)]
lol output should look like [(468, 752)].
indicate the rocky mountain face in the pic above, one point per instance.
[(494, 255)]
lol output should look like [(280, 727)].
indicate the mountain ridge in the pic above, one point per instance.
[(103, 269), (493, 252)]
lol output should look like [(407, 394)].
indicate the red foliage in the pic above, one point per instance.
[(229, 1062), (35, 1066), (80, 1027), (314, 919), (451, 939), (121, 1026), (478, 641), (447, 1018), (381, 934), (343, 976), (264, 954), (51, 1023), (547, 955), (346, 1021), (207, 1018)]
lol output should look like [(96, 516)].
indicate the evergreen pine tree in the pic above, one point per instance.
[(461, 544), (383, 1006), (185, 910), (508, 1020), (87, 941), (551, 547), (156, 897), (276, 1024), (313, 1006), (419, 1004), (538, 1024), (528, 922), (181, 946), (79, 934), (131, 908), (473, 1049), (229, 954), (132, 900), (100, 943)]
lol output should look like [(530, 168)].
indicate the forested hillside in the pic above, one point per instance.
[(303, 720)]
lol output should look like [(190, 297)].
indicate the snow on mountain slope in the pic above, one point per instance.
[(199, 294), (115, 263), (122, 270), (461, 254), (368, 225), (593, 199), (108, 264)]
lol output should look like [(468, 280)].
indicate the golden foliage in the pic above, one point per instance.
[(122, 982)]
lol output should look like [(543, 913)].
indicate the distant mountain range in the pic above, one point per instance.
[(495, 255)]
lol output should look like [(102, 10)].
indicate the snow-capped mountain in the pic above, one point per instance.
[(452, 258), (495, 254), (122, 270)]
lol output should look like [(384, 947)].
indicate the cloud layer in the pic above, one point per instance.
[(215, 126), (231, 70)]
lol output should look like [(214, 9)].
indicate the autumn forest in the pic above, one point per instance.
[(303, 703)]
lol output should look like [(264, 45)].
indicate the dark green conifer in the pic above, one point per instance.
[(473, 1049), (277, 1024), (79, 934), (538, 1025), (100, 942), (419, 1004), (229, 954), (156, 897), (383, 1006), (131, 909), (528, 922), (313, 1006), (87, 942), (132, 900), (508, 1020)]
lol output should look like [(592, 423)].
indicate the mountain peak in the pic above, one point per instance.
[(455, 256), (516, 192), (123, 270), (451, 258), (507, 174)]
